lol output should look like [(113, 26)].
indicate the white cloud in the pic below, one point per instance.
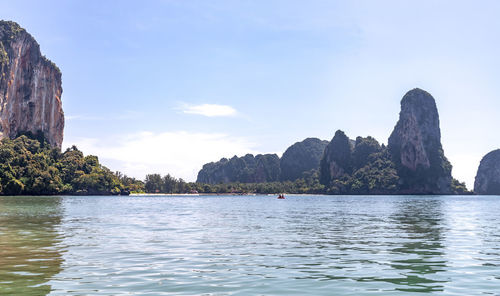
[(210, 110), (179, 153), (125, 115), (80, 117)]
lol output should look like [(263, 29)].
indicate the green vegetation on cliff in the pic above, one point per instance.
[(412, 163), (365, 168), (8, 31), (300, 158), (246, 169)]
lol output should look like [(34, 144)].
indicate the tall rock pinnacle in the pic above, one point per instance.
[(415, 147), (30, 87), (337, 158)]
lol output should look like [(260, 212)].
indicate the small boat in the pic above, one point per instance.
[(281, 196)]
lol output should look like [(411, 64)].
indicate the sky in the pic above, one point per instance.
[(165, 86)]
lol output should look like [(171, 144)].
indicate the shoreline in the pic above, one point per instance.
[(247, 194)]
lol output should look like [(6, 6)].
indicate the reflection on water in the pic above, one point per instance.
[(250, 245), (28, 253), (419, 255)]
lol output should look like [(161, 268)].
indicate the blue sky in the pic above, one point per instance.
[(165, 86)]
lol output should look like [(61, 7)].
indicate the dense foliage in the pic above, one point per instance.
[(309, 184), (364, 169), (31, 166)]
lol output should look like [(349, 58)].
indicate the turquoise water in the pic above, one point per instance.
[(250, 245)]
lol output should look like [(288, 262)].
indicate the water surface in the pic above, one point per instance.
[(250, 245)]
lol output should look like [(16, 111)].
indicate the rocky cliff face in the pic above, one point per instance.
[(415, 147), (30, 87), (246, 169), (363, 149), (488, 174), (337, 158), (301, 157)]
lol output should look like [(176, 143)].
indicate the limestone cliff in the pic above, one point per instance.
[(415, 147), (245, 169), (363, 149), (337, 158), (30, 87), (301, 157), (488, 174)]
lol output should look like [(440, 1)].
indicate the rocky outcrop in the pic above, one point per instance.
[(412, 163), (30, 87), (363, 149), (301, 157), (337, 158), (488, 175), (246, 169), (415, 147)]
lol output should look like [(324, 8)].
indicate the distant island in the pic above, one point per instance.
[(32, 163)]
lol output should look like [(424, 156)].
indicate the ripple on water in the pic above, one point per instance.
[(256, 245)]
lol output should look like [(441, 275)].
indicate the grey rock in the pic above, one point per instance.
[(337, 158), (487, 180), (301, 157), (415, 147)]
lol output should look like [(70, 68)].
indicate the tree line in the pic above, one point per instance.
[(309, 184), (30, 166)]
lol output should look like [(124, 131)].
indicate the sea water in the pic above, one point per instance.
[(250, 245)]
